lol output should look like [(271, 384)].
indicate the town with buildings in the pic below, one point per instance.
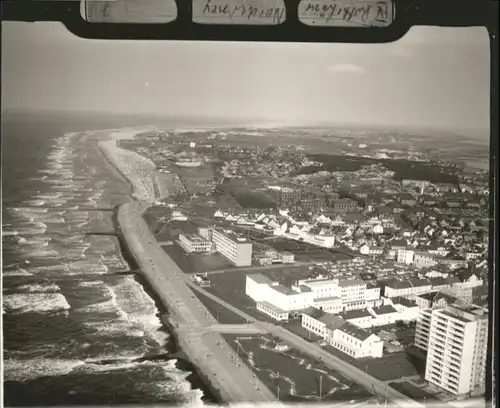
[(376, 245)]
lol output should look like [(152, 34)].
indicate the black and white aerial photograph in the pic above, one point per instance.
[(212, 223)]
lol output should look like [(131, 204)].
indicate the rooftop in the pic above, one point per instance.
[(272, 307), (355, 314), (404, 302), (331, 320), (351, 282), (355, 331), (259, 278), (284, 289), (386, 309)]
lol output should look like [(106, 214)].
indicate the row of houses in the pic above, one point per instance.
[(410, 288)]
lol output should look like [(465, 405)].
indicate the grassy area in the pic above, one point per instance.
[(404, 169), (390, 367), (413, 391), (230, 286), (221, 314), (295, 326), (252, 199), (196, 263), (297, 376)]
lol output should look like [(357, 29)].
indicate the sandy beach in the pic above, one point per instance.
[(189, 319)]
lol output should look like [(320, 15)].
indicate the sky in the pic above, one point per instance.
[(433, 77)]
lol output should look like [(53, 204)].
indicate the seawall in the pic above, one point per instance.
[(187, 317)]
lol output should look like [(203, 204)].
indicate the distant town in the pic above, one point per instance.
[(375, 254)]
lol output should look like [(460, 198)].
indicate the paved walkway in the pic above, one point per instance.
[(207, 350), (336, 363)]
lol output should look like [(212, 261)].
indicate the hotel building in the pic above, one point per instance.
[(194, 243), (455, 338), (234, 248)]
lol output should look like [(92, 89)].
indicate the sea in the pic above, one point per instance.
[(79, 326)]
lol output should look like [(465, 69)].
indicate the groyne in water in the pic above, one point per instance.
[(197, 379)]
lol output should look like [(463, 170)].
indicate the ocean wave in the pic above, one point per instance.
[(90, 284), (36, 202), (35, 303), (39, 288), (16, 272), (137, 315), (137, 304), (42, 253), (22, 370), (178, 385)]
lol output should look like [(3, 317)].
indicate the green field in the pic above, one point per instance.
[(220, 313)]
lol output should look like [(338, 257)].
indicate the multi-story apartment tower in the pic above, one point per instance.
[(233, 247), (456, 340)]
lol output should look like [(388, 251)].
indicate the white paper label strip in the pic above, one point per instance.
[(130, 11), (239, 12), (346, 13)]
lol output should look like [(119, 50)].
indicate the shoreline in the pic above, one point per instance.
[(188, 318), (196, 378)]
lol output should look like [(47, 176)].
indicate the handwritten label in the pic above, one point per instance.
[(129, 11), (346, 13), (239, 12)]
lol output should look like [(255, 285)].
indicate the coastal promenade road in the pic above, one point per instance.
[(190, 319), (314, 350), (361, 377), (237, 329), (220, 301)]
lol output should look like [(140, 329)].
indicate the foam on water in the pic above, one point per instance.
[(122, 308), (16, 272), (139, 307), (39, 288), (135, 310), (35, 303), (18, 369)]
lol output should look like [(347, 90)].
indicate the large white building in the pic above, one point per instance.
[(234, 248), (353, 293), (329, 295), (455, 338), (194, 243), (344, 336), (277, 300)]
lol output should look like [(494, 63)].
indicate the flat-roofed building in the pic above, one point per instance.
[(352, 290), (272, 311), (331, 304), (256, 287), (322, 288), (281, 297), (236, 249), (456, 352), (194, 243)]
